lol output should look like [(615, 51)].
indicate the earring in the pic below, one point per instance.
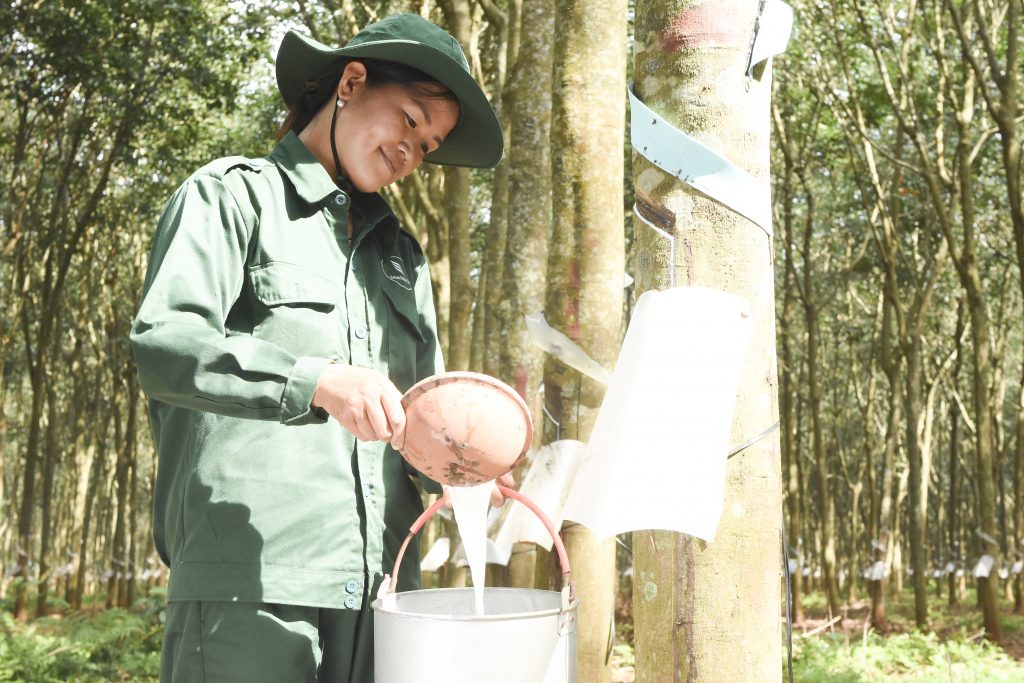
[(339, 103)]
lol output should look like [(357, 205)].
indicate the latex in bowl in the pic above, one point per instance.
[(465, 428)]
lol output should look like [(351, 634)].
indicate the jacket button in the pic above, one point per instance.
[(361, 333), (340, 200), (351, 586), (351, 602)]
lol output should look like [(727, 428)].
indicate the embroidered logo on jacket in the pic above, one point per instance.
[(394, 270)]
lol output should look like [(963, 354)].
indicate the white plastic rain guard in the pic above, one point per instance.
[(525, 635)]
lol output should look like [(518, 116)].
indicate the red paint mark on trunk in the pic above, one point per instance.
[(521, 378), (715, 24)]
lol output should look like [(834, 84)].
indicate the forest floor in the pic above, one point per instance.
[(953, 649), (843, 651), (124, 645)]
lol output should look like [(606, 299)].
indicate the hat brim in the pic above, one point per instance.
[(476, 141)]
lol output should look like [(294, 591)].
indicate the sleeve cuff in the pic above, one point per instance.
[(298, 392)]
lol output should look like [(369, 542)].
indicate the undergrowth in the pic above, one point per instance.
[(951, 651), (86, 647), (917, 657)]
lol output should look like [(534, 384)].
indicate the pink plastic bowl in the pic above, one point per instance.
[(465, 428)]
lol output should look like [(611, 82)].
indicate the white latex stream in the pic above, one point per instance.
[(470, 506)]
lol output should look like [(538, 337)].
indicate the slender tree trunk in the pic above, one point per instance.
[(586, 263), (52, 456), (28, 498), (459, 18), (886, 515), (855, 536), (459, 241), (483, 355), (918, 490), (487, 340), (694, 602), (826, 499), (523, 281), (115, 589), (1018, 492), (96, 471), (954, 501), (131, 556), (790, 447), (985, 455), (896, 562)]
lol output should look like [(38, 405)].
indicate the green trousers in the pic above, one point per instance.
[(228, 642)]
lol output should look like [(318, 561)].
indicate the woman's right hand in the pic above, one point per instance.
[(363, 401)]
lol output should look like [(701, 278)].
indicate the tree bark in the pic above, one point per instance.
[(694, 602), (458, 16), (585, 265)]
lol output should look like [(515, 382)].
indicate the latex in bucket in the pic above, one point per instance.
[(524, 636)]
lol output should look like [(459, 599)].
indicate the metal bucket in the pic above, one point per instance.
[(433, 635), (524, 636)]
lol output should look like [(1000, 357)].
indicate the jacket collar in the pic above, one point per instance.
[(312, 182)]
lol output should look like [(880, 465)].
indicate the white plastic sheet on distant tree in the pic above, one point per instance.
[(984, 567), (437, 555), (563, 348), (547, 484), (656, 456)]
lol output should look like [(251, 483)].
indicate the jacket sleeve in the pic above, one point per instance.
[(185, 355)]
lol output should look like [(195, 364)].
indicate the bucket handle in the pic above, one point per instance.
[(390, 584)]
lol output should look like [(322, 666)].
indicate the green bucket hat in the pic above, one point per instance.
[(409, 39)]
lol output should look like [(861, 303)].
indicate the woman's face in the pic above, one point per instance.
[(383, 132)]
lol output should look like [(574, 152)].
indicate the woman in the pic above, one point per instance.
[(281, 293)]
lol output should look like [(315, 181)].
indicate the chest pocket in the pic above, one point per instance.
[(297, 309), (405, 339)]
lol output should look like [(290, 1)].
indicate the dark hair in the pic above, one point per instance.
[(378, 72)]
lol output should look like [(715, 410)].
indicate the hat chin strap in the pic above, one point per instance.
[(339, 177)]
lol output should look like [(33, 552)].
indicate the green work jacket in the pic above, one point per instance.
[(253, 288)]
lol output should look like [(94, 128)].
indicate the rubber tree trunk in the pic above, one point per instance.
[(825, 495), (488, 292), (710, 612), (918, 487), (524, 277), (791, 449), (458, 16), (586, 264), (494, 256), (1018, 492), (46, 526), (524, 281), (890, 364)]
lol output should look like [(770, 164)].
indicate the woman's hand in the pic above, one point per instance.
[(506, 480), (363, 401)]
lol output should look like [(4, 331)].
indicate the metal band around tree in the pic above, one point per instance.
[(697, 165)]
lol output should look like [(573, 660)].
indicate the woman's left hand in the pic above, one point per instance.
[(507, 480)]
